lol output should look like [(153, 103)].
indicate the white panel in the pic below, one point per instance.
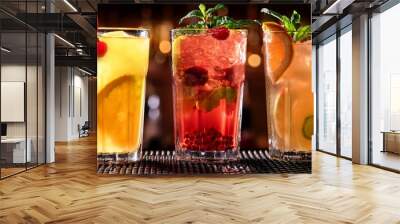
[(12, 101)]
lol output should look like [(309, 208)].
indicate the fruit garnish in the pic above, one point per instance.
[(212, 101), (220, 33), (101, 48), (209, 140), (195, 76), (278, 50), (278, 111), (308, 127), (206, 18), (292, 26)]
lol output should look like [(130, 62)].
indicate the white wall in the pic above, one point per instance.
[(62, 82), (33, 127), (12, 73), (71, 102)]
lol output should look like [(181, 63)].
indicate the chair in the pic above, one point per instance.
[(84, 130)]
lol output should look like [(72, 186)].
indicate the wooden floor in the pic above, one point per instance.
[(10, 171), (69, 191), (387, 159)]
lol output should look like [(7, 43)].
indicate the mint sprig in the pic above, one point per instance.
[(212, 101), (206, 18), (292, 24)]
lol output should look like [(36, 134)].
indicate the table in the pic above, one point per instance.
[(13, 150), (391, 141)]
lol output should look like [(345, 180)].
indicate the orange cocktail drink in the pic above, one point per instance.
[(289, 93)]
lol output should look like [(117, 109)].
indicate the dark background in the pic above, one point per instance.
[(161, 18)]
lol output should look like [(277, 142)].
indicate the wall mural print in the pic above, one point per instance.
[(181, 89)]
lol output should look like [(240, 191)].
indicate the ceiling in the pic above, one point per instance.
[(75, 21)]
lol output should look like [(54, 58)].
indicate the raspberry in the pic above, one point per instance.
[(195, 76), (101, 48), (220, 33), (208, 140)]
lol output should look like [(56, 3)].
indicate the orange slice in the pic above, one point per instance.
[(292, 118), (279, 114), (278, 50)]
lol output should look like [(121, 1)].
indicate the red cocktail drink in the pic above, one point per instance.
[(208, 77)]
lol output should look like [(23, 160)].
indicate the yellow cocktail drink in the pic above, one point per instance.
[(122, 64)]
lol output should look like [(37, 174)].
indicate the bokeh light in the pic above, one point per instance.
[(153, 102), (254, 60), (165, 46)]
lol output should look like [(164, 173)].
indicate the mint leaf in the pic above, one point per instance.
[(212, 101), (302, 33), (192, 14), (295, 18), (207, 19), (230, 94), (288, 24), (217, 7), (228, 22), (202, 8), (292, 26), (197, 25)]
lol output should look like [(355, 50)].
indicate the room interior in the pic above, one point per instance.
[(49, 122)]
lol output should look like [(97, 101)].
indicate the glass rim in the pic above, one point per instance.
[(193, 29), (275, 31), (108, 28), (305, 42)]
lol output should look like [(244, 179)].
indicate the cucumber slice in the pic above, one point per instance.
[(308, 127)]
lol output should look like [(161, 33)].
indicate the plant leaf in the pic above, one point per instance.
[(292, 26), (212, 100), (206, 19), (202, 8), (230, 94), (192, 14), (217, 7), (295, 18), (221, 20), (197, 25), (302, 33), (230, 23), (288, 24)]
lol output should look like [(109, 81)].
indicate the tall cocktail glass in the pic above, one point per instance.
[(289, 95), (122, 64), (208, 78)]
